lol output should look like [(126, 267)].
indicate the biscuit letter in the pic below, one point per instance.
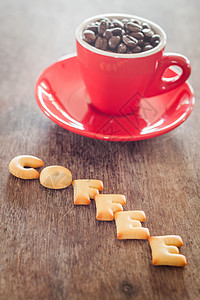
[(107, 205), (18, 164), (165, 252), (129, 225), (55, 177), (86, 189)]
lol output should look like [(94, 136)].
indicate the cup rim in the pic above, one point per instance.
[(155, 27)]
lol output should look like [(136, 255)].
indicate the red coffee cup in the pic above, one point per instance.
[(114, 79)]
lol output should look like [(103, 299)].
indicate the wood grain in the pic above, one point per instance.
[(51, 249)]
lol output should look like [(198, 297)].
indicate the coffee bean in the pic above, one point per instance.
[(147, 47), (89, 36), (137, 35), (156, 43), (101, 43), (106, 19), (133, 27), (118, 23), (135, 21), (114, 41), (154, 38), (147, 32), (130, 41), (125, 21), (93, 27), (104, 44), (121, 48), (145, 25), (108, 34), (137, 49), (103, 26), (121, 35), (117, 31)]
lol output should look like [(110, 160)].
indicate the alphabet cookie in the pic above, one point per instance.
[(165, 252), (18, 164), (55, 177), (107, 205), (86, 189), (129, 225)]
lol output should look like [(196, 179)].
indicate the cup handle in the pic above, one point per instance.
[(161, 85)]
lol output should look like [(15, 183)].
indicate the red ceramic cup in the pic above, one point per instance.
[(113, 80)]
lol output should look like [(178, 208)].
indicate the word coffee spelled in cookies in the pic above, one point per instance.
[(22, 166), (165, 252), (107, 205), (55, 177), (86, 189), (129, 225)]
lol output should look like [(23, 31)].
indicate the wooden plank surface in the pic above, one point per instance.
[(51, 249)]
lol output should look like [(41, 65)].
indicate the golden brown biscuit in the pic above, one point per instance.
[(55, 177), (165, 252), (86, 189), (107, 205), (129, 225), (18, 164)]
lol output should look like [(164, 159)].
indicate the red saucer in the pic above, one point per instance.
[(62, 96)]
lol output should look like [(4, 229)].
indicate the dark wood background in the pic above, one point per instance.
[(50, 249)]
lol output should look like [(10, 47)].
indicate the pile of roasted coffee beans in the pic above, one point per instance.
[(121, 36)]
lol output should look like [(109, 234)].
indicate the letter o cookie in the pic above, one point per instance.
[(55, 177)]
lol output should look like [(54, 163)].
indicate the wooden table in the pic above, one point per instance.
[(51, 249)]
